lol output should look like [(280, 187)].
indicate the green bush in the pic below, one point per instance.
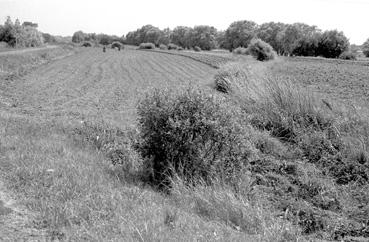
[(163, 47), (191, 134), (117, 45), (147, 46), (196, 48), (348, 55), (261, 50), (241, 51), (179, 48), (172, 47)]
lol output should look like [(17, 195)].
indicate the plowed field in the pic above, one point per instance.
[(94, 83)]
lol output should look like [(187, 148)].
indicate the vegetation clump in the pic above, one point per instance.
[(86, 44), (197, 49), (241, 51), (193, 135), (348, 55), (147, 46), (172, 47), (229, 78), (163, 47), (260, 50), (117, 45)]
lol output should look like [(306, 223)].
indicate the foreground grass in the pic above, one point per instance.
[(78, 195), (307, 172), (314, 153)]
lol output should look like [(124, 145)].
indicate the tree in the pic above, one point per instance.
[(179, 36), (288, 38), (366, 48), (164, 38), (30, 37), (131, 38), (332, 44), (8, 33), (103, 39), (268, 32), (240, 33), (221, 40), (145, 34), (152, 35), (307, 46), (204, 37), (48, 38), (78, 37)]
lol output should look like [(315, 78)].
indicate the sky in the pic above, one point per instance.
[(118, 17)]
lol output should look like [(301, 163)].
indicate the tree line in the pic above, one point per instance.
[(286, 39), (103, 39), (20, 35), (15, 34)]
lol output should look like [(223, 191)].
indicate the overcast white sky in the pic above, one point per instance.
[(64, 17)]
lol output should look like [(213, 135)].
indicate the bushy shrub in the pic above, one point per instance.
[(241, 51), (163, 47), (172, 46), (196, 48), (191, 134), (147, 46), (332, 44), (260, 50), (86, 44), (117, 45), (179, 48), (348, 55)]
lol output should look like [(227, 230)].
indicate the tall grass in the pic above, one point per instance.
[(318, 140)]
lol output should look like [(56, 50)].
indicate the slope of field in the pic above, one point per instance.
[(97, 83)]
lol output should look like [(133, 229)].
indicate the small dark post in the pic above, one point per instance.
[(104, 49)]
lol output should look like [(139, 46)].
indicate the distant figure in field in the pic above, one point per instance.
[(104, 49)]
